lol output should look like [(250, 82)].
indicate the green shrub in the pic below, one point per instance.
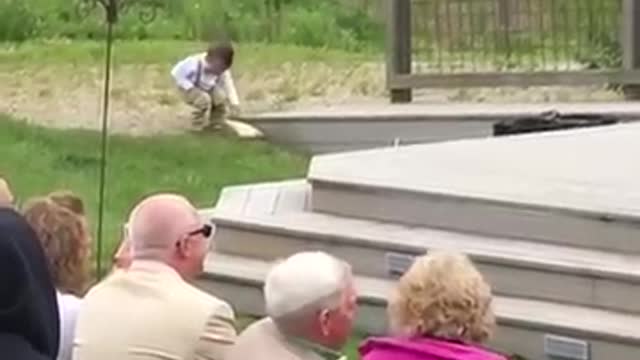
[(326, 23), (17, 21)]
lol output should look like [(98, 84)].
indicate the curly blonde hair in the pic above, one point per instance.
[(68, 200), (443, 295), (66, 242)]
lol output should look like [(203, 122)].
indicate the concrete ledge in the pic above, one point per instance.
[(319, 130), (442, 112), (568, 187)]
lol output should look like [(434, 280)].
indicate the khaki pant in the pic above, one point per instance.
[(209, 108)]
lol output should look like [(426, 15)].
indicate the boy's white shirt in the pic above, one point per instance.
[(185, 74)]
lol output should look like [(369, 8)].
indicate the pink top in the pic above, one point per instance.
[(389, 348)]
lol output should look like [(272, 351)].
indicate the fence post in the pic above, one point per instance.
[(399, 46), (631, 43)]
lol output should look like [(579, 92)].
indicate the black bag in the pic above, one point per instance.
[(549, 121)]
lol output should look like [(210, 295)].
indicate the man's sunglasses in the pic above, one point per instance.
[(205, 230)]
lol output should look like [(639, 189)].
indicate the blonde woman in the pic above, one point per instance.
[(65, 239), (441, 309)]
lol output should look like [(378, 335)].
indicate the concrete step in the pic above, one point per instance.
[(533, 329), (325, 129), (569, 187), (514, 267)]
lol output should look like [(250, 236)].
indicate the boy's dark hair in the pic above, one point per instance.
[(223, 52)]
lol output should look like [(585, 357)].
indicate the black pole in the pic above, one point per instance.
[(104, 140)]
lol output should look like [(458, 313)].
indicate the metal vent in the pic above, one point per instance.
[(397, 263), (564, 348)]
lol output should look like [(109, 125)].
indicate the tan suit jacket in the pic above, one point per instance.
[(263, 341), (149, 313)]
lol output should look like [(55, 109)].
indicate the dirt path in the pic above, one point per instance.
[(144, 101)]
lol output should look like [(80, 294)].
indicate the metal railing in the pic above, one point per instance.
[(471, 43), (452, 36)]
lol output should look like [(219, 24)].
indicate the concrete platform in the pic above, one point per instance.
[(574, 187), (524, 325), (345, 128)]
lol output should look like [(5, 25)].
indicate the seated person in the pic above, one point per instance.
[(205, 83), (311, 304), (67, 245), (441, 310), (28, 307), (150, 311)]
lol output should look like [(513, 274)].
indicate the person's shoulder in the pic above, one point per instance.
[(264, 325), (397, 347), (189, 61), (206, 302), (261, 341), (194, 58), (105, 285)]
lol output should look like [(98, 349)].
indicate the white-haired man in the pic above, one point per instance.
[(311, 304), (149, 311)]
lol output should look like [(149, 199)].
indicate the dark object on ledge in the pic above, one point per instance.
[(549, 121)]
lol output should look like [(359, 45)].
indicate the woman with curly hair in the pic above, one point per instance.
[(65, 238), (441, 309)]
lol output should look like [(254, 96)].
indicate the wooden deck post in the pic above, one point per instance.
[(630, 41), (399, 46)]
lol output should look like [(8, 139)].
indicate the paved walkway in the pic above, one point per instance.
[(452, 111), (587, 170), (363, 126)]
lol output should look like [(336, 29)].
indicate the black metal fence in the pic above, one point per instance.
[(455, 36)]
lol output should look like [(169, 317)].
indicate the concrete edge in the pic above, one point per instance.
[(253, 223), (417, 114), (353, 186)]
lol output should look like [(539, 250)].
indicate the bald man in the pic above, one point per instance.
[(150, 311), (6, 197)]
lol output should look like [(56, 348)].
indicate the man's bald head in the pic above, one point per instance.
[(6, 196), (158, 221)]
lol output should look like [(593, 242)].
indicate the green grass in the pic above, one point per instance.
[(38, 160), (151, 52), (266, 75), (334, 23), (351, 348)]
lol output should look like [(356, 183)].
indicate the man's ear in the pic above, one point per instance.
[(183, 247), (324, 317)]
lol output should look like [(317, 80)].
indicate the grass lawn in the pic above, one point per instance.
[(37, 160), (63, 89), (271, 73), (150, 52)]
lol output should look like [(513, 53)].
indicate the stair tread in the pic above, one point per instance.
[(575, 170), (578, 319), (544, 256)]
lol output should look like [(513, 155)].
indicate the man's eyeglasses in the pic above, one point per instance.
[(205, 230)]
